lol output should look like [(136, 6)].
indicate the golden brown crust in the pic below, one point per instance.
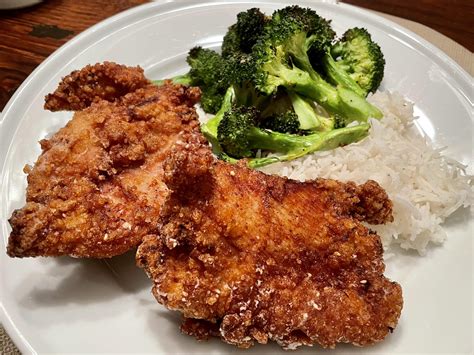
[(252, 257), (97, 187), (102, 81)]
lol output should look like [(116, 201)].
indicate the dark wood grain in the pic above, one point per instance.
[(453, 18), (29, 35)]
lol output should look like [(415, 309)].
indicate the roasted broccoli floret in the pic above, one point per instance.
[(242, 35), (239, 74), (280, 59), (317, 27), (289, 112), (238, 131), (270, 96), (308, 116), (209, 129), (209, 72), (239, 137), (355, 62), (285, 122), (293, 113)]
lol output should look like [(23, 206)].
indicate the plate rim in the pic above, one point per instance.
[(460, 75)]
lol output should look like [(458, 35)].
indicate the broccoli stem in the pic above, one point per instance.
[(209, 129), (246, 95), (296, 144), (336, 100), (307, 116), (274, 141), (293, 146), (339, 76), (184, 79)]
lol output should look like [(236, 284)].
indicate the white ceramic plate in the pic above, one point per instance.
[(65, 305)]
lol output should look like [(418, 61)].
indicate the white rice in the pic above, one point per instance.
[(424, 186)]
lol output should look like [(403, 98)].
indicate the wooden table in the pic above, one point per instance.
[(29, 35)]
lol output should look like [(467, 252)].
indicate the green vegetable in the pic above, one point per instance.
[(283, 86), (239, 74), (207, 68), (285, 122), (308, 117), (280, 59), (183, 79), (239, 136), (241, 36), (208, 71), (209, 129), (355, 62)]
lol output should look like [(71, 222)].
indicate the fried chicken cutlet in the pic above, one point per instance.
[(250, 257), (97, 187), (102, 81)]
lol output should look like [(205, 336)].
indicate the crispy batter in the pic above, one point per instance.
[(252, 257), (97, 187), (102, 81)]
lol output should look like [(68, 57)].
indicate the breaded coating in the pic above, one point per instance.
[(251, 257), (97, 187), (102, 81)]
